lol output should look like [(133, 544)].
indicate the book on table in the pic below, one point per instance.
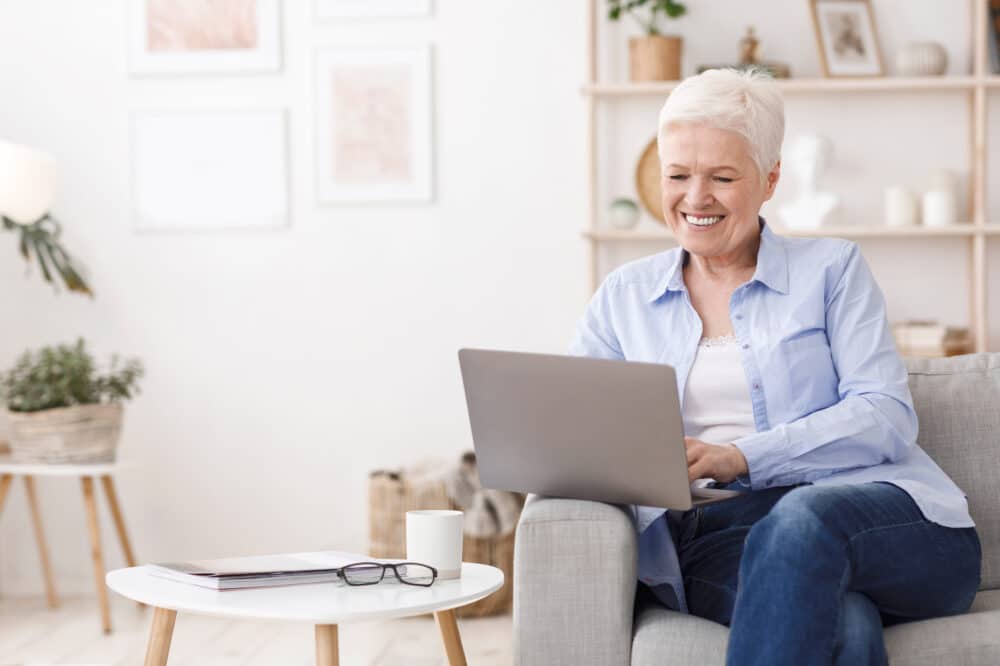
[(261, 570)]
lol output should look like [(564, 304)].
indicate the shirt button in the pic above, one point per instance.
[(739, 316), (746, 346), (756, 387)]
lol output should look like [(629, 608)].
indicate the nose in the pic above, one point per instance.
[(698, 194)]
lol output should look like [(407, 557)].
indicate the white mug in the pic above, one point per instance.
[(434, 537)]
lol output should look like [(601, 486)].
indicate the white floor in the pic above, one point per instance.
[(33, 635)]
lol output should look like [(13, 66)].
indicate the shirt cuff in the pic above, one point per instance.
[(760, 449)]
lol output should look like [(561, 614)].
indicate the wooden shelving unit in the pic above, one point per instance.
[(975, 86)]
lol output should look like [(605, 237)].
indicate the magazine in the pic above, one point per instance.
[(260, 570)]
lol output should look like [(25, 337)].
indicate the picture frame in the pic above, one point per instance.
[(209, 169), (354, 9), (846, 38), (373, 125), (181, 37)]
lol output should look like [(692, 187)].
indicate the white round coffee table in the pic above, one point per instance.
[(325, 605)]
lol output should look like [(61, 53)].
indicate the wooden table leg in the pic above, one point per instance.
[(43, 549), (159, 637), (116, 513), (326, 645), (4, 487), (95, 551), (452, 640)]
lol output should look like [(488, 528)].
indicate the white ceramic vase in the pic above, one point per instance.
[(922, 59), (623, 213)]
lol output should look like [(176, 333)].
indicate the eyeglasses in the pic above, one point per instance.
[(372, 573)]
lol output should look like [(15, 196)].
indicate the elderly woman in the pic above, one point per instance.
[(792, 389)]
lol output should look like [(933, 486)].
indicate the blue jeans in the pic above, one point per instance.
[(810, 574)]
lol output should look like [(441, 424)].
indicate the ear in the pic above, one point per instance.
[(772, 180)]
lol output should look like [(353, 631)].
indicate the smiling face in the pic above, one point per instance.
[(712, 190)]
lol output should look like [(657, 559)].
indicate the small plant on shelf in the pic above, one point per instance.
[(646, 12), (654, 56)]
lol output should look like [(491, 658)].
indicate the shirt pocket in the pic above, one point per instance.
[(812, 378)]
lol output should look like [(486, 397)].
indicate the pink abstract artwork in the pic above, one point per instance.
[(199, 25), (371, 141)]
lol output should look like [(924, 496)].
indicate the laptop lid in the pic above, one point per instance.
[(584, 428)]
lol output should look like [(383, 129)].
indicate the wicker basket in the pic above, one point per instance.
[(79, 434), (391, 495)]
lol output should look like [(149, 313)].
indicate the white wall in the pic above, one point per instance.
[(284, 365)]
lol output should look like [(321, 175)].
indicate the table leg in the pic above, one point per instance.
[(95, 551), (159, 637), (116, 513), (43, 549), (326, 645), (452, 640), (4, 487)]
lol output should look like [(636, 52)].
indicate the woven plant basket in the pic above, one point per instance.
[(391, 495), (78, 434)]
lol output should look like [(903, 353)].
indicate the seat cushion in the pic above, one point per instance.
[(971, 639), (957, 400), (664, 636)]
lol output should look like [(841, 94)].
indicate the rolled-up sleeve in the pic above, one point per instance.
[(872, 422)]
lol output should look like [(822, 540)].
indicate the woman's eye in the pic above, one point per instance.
[(723, 179), (678, 177)]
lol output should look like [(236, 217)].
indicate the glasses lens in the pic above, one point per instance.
[(362, 574), (416, 574)]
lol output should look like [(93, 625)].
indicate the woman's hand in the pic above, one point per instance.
[(722, 462)]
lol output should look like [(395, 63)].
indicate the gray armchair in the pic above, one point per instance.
[(575, 561)]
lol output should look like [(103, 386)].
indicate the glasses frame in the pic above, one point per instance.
[(343, 577)]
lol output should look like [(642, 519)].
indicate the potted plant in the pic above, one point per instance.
[(655, 56), (61, 409)]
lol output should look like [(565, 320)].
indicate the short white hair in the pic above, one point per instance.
[(747, 102)]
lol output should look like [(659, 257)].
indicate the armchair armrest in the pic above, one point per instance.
[(574, 583)]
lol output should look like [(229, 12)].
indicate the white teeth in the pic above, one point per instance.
[(702, 221)]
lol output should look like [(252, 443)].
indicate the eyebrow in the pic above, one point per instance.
[(715, 168)]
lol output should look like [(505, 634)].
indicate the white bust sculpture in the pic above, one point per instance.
[(807, 160)]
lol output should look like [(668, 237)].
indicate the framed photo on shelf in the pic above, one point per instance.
[(845, 35), (206, 170), (200, 36), (337, 9), (373, 133)]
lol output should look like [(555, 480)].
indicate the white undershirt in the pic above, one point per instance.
[(717, 407)]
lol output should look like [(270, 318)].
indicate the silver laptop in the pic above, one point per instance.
[(567, 426)]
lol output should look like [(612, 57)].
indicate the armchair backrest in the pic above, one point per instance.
[(957, 400)]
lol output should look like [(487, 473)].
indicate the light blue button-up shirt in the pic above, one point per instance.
[(831, 404)]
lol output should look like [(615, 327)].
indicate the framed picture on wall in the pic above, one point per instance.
[(209, 169), (335, 9), (373, 133), (845, 34), (194, 36)]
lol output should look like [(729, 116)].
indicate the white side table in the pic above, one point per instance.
[(86, 473), (325, 605)]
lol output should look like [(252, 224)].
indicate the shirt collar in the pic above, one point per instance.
[(772, 266)]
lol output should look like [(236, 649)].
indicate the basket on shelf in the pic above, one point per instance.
[(392, 494)]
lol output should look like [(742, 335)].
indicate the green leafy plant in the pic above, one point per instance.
[(64, 376), (646, 12), (41, 239)]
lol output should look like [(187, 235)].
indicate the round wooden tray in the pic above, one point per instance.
[(647, 181)]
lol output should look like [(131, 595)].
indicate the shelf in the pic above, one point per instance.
[(871, 84), (955, 231)]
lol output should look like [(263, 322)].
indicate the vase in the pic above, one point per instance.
[(922, 59), (623, 213), (655, 58)]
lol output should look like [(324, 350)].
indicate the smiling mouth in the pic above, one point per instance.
[(703, 220)]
